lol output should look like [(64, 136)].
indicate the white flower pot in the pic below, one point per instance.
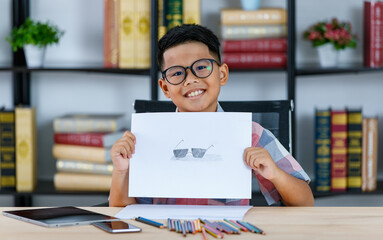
[(328, 55), (34, 56), (250, 4)]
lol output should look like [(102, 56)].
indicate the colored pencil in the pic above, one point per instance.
[(169, 224), (237, 225), (204, 234), (193, 227), (183, 228), (260, 231), (150, 222), (229, 228), (250, 228), (212, 231)]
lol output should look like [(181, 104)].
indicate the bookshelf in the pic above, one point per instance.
[(22, 76)]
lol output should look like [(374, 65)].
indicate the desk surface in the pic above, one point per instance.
[(278, 223)]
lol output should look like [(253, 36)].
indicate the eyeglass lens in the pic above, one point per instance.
[(201, 68)]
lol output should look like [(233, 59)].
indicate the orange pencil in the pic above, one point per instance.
[(204, 234)]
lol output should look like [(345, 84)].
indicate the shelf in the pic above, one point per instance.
[(45, 187), (379, 191), (257, 70), (315, 69), (94, 69)]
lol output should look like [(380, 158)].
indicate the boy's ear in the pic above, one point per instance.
[(223, 74), (164, 87)]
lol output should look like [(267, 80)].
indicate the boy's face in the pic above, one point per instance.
[(194, 94)]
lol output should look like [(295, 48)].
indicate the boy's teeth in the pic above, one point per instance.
[(195, 93)]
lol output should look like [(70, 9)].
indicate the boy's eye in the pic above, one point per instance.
[(175, 74), (200, 67)]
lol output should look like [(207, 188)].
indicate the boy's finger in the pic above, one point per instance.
[(129, 135)]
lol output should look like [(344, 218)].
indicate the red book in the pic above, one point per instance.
[(105, 140), (338, 150), (373, 34), (255, 60), (255, 45)]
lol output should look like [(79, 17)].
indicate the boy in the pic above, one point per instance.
[(192, 75)]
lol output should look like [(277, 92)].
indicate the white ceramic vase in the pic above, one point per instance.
[(34, 56), (250, 4), (328, 55)]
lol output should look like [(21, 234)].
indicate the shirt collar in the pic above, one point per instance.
[(219, 108)]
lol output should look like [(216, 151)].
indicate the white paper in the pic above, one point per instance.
[(220, 173), (161, 211)]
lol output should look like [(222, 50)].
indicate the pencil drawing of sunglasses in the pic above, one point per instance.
[(196, 152)]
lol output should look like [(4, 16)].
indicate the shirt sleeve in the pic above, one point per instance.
[(262, 137)]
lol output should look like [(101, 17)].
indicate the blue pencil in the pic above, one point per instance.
[(150, 222), (259, 230)]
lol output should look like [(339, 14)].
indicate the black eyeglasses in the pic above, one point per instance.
[(201, 68)]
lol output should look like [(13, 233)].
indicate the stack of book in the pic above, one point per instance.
[(254, 39), (82, 150), (373, 34), (345, 150)]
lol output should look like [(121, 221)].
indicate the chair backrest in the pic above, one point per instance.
[(272, 115)]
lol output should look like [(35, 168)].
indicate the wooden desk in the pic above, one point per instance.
[(278, 223)]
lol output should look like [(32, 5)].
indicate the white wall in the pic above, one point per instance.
[(57, 93)]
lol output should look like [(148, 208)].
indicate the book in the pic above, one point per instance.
[(7, 150), (173, 10), (191, 13), (369, 154), (81, 153), (126, 34), (323, 150), (255, 45), (89, 123), (88, 139), (142, 34), (254, 60), (111, 28), (338, 150), (82, 182), (65, 165), (354, 149), (260, 16), (373, 34), (161, 19), (26, 149), (253, 31)]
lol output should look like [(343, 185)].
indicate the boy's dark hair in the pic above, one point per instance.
[(188, 33)]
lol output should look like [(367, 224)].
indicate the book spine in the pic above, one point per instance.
[(142, 34), (111, 27), (261, 16), (369, 154), (82, 182), (83, 167), (173, 13), (338, 151), (373, 34), (254, 60), (26, 154), (81, 153), (7, 150), (354, 150), (323, 150), (255, 45), (253, 31), (192, 13), (126, 34), (84, 125), (83, 139), (161, 19)]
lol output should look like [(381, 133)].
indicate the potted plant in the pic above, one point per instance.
[(34, 37), (330, 38)]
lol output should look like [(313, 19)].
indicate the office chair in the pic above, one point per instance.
[(272, 115)]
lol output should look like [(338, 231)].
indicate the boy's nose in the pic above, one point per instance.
[(190, 77)]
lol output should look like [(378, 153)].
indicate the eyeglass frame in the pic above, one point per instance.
[(191, 69)]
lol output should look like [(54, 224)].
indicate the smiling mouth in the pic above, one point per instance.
[(194, 93)]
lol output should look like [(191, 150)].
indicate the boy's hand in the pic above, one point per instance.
[(122, 151), (260, 160)]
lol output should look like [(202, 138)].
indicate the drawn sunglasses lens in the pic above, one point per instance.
[(198, 152), (180, 153)]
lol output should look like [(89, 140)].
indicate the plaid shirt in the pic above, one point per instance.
[(261, 137)]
